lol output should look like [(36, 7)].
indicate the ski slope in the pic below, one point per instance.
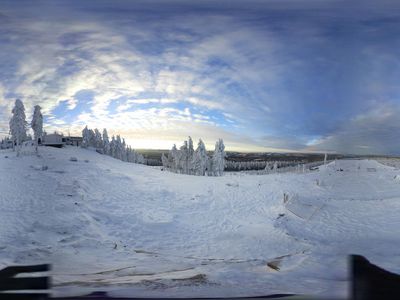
[(134, 230)]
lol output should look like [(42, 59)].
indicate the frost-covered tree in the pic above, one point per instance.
[(200, 159), (164, 160), (113, 147), (183, 158), (275, 168), (187, 161), (140, 158), (37, 125), (218, 158), (18, 125), (85, 137), (325, 158), (118, 148), (106, 142), (190, 156), (98, 141), (92, 138), (174, 155), (171, 161), (130, 155), (124, 152)]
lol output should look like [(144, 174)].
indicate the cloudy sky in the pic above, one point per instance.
[(264, 75)]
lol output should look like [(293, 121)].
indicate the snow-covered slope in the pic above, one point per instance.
[(136, 230)]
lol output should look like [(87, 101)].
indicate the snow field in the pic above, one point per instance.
[(136, 230)]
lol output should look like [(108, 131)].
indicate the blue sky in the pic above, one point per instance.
[(263, 75)]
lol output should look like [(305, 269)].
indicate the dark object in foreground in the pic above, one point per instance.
[(372, 282), (368, 282), (8, 282), (104, 296)]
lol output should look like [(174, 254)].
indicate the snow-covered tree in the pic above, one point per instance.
[(18, 124), (190, 156), (124, 152), (187, 161), (37, 125), (92, 138), (164, 160), (85, 137), (118, 148), (113, 147), (130, 155), (98, 142), (200, 159), (218, 158), (267, 167), (140, 158), (106, 142), (325, 158), (183, 158), (175, 159)]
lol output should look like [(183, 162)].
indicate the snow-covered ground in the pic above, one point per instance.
[(135, 230)]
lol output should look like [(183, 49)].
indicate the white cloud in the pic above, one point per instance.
[(183, 71), (373, 132)]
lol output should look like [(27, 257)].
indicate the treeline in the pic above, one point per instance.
[(186, 160), (116, 147), (293, 167), (257, 165)]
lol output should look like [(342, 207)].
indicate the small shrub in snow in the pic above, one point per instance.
[(72, 158), (86, 160)]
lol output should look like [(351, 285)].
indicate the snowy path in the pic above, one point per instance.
[(140, 231)]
